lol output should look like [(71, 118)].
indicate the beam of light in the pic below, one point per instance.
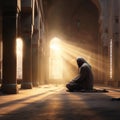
[(19, 53), (66, 53), (74, 51)]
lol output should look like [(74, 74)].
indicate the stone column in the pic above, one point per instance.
[(9, 84), (27, 51), (35, 59), (1, 48), (116, 43), (104, 43)]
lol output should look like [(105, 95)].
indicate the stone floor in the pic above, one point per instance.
[(52, 102)]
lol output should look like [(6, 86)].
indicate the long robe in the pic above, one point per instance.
[(84, 80)]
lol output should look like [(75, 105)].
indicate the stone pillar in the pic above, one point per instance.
[(116, 67), (35, 59), (27, 51), (105, 49), (35, 38), (9, 84), (104, 43), (100, 57), (116, 43), (1, 48)]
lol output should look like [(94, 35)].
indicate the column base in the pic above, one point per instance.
[(9, 88), (26, 85), (35, 84)]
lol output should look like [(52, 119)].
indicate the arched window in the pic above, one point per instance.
[(19, 52), (55, 59)]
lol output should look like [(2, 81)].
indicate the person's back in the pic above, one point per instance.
[(84, 81)]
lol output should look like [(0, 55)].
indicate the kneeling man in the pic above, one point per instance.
[(84, 80)]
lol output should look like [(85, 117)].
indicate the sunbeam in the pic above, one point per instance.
[(63, 54)]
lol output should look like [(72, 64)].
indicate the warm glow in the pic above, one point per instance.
[(55, 44), (19, 52), (55, 61), (111, 59), (62, 60)]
